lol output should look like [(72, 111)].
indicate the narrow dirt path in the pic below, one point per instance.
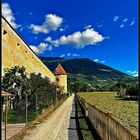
[(56, 126)]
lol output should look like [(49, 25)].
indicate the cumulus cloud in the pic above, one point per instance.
[(52, 23), (41, 48), (9, 16), (115, 18), (134, 73), (78, 39)]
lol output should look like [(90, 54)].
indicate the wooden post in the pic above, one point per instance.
[(26, 109), (6, 116), (6, 94), (109, 114), (56, 94), (36, 106)]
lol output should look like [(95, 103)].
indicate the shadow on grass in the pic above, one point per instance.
[(127, 98), (85, 129)]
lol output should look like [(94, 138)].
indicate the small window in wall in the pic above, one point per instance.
[(4, 34), (57, 79), (18, 44)]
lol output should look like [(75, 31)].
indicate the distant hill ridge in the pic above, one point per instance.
[(79, 66), (84, 69)]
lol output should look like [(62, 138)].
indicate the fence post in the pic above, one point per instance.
[(109, 115)]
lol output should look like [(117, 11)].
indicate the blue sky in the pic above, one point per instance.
[(105, 31)]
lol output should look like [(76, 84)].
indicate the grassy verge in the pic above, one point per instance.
[(124, 111), (13, 117)]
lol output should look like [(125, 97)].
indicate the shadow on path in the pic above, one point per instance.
[(80, 127), (72, 130)]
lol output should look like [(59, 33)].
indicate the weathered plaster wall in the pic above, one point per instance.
[(16, 52)]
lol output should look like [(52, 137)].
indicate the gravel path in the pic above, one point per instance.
[(12, 129), (56, 126)]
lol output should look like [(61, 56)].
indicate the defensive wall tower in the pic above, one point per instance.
[(61, 77)]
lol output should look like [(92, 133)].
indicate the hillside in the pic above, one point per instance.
[(86, 70)]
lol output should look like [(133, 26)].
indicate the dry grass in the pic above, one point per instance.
[(125, 111)]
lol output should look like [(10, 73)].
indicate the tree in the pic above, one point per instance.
[(132, 90), (15, 81), (121, 88), (43, 92)]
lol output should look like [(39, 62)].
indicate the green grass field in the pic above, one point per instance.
[(124, 111)]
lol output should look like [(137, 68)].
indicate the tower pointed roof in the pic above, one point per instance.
[(60, 70)]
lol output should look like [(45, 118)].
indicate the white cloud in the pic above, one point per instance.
[(38, 29), (62, 29), (21, 29), (78, 39), (100, 61), (115, 18), (87, 27), (9, 16), (62, 55), (41, 48), (96, 60), (132, 23), (103, 61), (125, 20), (70, 54), (52, 23), (122, 26), (49, 39), (134, 73), (75, 54)]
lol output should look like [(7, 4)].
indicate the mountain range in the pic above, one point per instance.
[(86, 70)]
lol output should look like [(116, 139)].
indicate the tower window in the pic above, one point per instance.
[(57, 79)]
